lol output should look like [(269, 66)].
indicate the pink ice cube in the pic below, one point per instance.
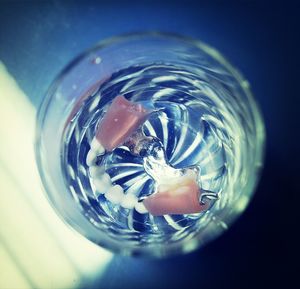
[(178, 199), (121, 120)]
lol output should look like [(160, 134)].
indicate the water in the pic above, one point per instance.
[(191, 122)]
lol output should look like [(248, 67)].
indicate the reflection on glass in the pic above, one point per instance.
[(150, 144)]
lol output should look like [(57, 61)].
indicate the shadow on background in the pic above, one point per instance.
[(38, 38)]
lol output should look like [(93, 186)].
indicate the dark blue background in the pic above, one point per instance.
[(38, 38)]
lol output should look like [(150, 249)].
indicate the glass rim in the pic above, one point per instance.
[(215, 54), (211, 51)]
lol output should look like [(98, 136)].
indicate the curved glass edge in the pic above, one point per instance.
[(184, 246)]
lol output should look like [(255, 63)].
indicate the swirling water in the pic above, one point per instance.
[(188, 122)]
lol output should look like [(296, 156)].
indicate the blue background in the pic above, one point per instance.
[(38, 38)]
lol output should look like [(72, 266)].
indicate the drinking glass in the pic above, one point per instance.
[(204, 116)]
